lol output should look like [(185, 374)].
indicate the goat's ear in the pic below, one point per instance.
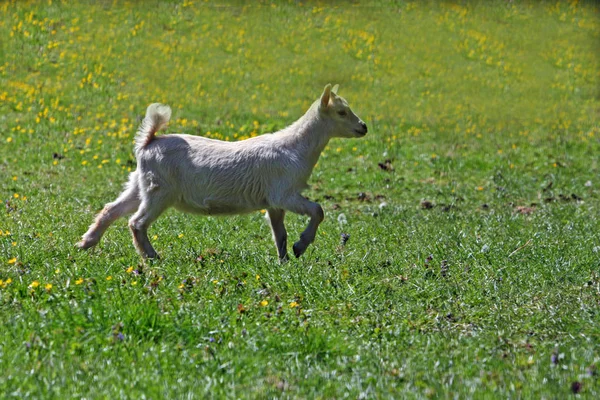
[(335, 89), (326, 96)]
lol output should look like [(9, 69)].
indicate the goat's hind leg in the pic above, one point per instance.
[(126, 203), (152, 206), (276, 217)]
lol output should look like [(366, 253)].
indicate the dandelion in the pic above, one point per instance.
[(294, 304), (8, 139), (79, 281), (180, 235), (34, 284), (109, 278), (12, 260), (48, 287), (129, 270), (264, 303), (16, 195)]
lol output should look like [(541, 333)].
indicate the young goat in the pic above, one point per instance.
[(212, 177)]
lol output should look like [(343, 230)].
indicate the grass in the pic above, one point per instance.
[(472, 267)]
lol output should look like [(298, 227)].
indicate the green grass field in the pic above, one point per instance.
[(473, 264)]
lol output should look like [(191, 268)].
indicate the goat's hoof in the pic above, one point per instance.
[(299, 249), (153, 257), (84, 244)]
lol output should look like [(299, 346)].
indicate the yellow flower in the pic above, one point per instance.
[(129, 270), (264, 303), (180, 235), (109, 278), (79, 281), (293, 304), (12, 260), (34, 284), (48, 287), (16, 195), (134, 283)]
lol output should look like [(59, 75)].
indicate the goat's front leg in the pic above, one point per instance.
[(276, 217), (300, 205)]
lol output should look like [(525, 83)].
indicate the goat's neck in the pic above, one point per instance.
[(309, 136)]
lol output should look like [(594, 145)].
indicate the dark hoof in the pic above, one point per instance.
[(297, 250)]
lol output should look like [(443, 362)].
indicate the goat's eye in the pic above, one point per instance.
[(342, 113)]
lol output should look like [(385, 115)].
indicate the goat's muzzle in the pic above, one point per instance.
[(362, 131)]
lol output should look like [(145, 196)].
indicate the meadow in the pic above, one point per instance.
[(460, 252)]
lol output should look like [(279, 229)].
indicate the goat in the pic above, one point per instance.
[(213, 177)]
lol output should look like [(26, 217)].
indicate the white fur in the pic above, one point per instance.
[(213, 177)]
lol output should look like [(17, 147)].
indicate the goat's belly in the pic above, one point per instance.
[(218, 208)]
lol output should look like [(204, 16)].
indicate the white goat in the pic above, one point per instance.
[(207, 176)]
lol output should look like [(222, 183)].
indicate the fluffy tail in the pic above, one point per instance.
[(157, 116)]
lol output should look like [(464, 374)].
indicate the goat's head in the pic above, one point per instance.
[(338, 112)]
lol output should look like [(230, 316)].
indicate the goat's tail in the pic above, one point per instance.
[(157, 116)]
